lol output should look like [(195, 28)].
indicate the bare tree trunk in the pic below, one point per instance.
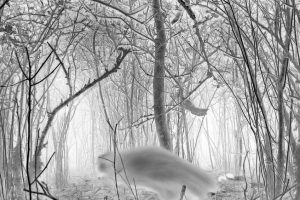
[(296, 153), (280, 88), (270, 178), (186, 129), (238, 141), (297, 162), (129, 103), (179, 134), (133, 74), (280, 155), (94, 130), (210, 148), (59, 142), (158, 80), (224, 141)]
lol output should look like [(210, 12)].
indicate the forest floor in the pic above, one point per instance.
[(99, 189)]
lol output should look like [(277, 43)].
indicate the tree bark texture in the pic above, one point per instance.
[(158, 80), (281, 87), (297, 162)]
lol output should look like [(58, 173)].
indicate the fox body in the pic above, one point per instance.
[(159, 170)]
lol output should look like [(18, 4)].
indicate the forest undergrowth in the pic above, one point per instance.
[(95, 189)]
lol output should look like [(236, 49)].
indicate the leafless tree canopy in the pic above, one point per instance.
[(216, 82)]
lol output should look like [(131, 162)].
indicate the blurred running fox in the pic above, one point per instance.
[(158, 170)]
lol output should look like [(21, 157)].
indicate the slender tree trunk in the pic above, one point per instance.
[(209, 146), (270, 181), (295, 145), (297, 163), (281, 86), (223, 135), (185, 127), (133, 89), (186, 131), (94, 130), (179, 133), (238, 141), (280, 155), (158, 80)]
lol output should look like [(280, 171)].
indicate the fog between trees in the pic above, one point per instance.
[(215, 82)]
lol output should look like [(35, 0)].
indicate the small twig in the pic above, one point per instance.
[(114, 161), (42, 65), (4, 3), (119, 10), (40, 193), (286, 191), (20, 66), (43, 169), (60, 61), (29, 116), (36, 83)]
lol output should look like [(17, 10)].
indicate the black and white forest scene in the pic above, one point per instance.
[(150, 100)]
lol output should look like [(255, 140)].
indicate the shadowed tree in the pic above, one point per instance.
[(158, 80)]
